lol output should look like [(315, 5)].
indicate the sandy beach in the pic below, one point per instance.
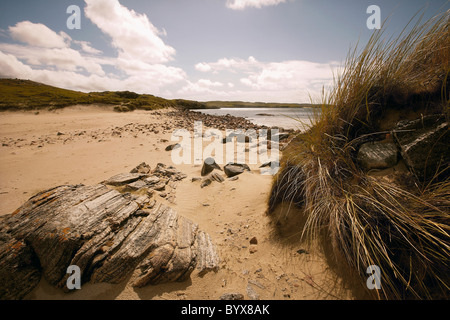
[(86, 145)]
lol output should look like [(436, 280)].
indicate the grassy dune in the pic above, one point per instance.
[(19, 94), (400, 225)]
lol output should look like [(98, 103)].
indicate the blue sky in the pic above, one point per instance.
[(252, 50)]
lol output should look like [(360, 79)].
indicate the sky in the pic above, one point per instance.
[(241, 50)]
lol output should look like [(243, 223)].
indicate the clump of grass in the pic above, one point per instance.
[(400, 226)]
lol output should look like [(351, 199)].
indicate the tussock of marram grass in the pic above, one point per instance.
[(366, 221)]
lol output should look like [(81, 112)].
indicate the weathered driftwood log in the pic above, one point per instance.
[(110, 236)]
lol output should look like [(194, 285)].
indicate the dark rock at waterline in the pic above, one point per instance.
[(234, 169), (425, 145), (240, 138), (208, 166), (378, 155)]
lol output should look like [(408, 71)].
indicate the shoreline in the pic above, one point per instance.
[(87, 145)]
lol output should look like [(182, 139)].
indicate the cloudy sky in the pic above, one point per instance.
[(252, 50)]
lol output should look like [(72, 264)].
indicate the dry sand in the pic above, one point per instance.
[(86, 145)]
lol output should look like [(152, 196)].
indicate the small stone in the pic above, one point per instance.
[(206, 182), (216, 177), (232, 296), (124, 178), (253, 240), (234, 169), (209, 165), (253, 249), (377, 155), (142, 168), (173, 147), (251, 293), (137, 185)]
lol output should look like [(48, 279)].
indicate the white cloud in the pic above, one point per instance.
[(285, 81), (86, 47), (203, 67), (242, 4), (231, 65), (56, 59), (289, 75), (66, 59), (201, 86), (12, 67), (132, 34), (38, 35)]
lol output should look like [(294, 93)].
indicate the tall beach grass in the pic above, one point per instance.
[(400, 224)]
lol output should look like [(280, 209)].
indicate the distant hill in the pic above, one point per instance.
[(17, 94)]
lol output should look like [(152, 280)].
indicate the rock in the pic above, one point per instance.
[(232, 296), (233, 178), (424, 145), (206, 182), (253, 248), (208, 166), (152, 180), (159, 187), (123, 178), (173, 147), (214, 176), (377, 155), (251, 293), (256, 283), (278, 137), (234, 169), (272, 164), (19, 270), (142, 168), (107, 234), (137, 185), (170, 172), (253, 240), (194, 179)]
